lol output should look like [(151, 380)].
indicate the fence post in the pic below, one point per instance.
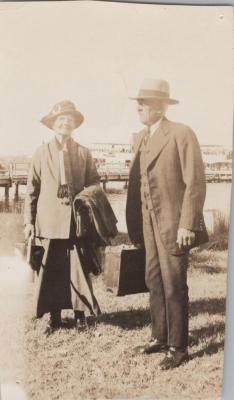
[(7, 196), (16, 192)]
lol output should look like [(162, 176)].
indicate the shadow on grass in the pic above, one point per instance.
[(128, 320), (207, 261), (210, 334), (133, 319), (210, 269), (206, 332), (139, 318), (210, 306), (212, 348)]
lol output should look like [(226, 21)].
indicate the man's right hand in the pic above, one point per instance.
[(29, 231)]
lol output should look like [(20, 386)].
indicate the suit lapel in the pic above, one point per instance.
[(137, 145), (157, 142), (139, 139)]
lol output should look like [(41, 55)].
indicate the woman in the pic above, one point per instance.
[(60, 170)]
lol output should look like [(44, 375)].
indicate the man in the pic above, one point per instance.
[(165, 213)]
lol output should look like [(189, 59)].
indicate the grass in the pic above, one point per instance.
[(219, 235), (11, 231), (99, 363)]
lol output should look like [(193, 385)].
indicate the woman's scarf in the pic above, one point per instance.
[(65, 189)]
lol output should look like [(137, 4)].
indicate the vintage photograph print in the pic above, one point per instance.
[(116, 124)]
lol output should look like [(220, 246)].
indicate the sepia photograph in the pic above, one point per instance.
[(116, 146)]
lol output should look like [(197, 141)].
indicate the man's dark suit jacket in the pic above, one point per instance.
[(177, 185)]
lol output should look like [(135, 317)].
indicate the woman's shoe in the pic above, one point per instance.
[(81, 325), (50, 330), (80, 321), (54, 324)]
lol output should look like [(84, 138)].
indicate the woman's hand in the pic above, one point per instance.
[(29, 231)]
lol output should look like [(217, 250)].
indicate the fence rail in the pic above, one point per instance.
[(17, 173)]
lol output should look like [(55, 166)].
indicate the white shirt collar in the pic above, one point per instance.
[(155, 126)]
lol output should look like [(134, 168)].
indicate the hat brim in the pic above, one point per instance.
[(48, 120), (166, 100)]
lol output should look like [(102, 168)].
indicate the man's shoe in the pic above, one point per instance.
[(173, 359), (154, 346)]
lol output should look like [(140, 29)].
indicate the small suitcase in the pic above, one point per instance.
[(124, 270)]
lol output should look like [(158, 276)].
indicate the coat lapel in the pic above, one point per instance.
[(72, 148), (77, 157), (78, 165), (157, 142), (53, 159)]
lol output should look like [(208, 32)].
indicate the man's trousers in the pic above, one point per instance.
[(166, 279)]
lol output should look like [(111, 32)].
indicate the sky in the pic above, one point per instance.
[(96, 54)]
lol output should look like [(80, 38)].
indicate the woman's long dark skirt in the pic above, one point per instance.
[(62, 282)]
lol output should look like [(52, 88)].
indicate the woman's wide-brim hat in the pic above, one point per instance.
[(63, 107), (155, 89)]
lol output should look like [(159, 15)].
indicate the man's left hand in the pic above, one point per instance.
[(185, 237)]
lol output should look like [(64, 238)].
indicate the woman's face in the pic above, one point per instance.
[(64, 124)]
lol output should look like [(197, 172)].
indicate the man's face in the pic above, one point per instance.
[(64, 124), (150, 110)]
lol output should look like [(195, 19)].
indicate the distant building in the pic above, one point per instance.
[(111, 147), (210, 153), (215, 154)]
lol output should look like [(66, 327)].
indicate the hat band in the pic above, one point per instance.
[(65, 110), (152, 93)]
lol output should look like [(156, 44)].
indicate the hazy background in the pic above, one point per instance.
[(96, 54)]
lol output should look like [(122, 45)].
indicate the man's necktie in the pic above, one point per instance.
[(147, 136)]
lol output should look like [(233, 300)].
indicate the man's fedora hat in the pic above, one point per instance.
[(155, 89), (63, 107)]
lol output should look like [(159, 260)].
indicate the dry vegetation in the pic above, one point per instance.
[(99, 363), (219, 236)]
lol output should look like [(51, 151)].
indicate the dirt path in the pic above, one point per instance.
[(14, 281)]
